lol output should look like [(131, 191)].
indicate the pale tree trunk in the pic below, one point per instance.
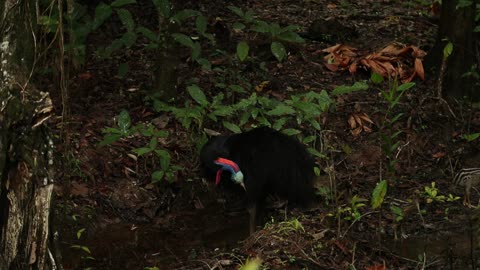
[(26, 158)]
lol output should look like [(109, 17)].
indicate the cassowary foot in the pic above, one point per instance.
[(467, 203)]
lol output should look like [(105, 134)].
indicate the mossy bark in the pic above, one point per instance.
[(26, 157)]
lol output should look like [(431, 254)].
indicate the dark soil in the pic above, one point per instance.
[(106, 204)]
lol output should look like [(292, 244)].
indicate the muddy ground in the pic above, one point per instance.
[(110, 215)]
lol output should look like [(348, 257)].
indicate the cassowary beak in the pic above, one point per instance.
[(243, 186)]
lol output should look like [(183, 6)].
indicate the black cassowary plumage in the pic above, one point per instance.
[(271, 163)]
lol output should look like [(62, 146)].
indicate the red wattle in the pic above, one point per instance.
[(219, 177)]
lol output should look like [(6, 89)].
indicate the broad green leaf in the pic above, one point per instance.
[(464, 4), (111, 130), (102, 13), (223, 111), (80, 232), (379, 194), (157, 176), (142, 150), (152, 46), (124, 121), (84, 248), (278, 50), (153, 143), (291, 28), (244, 118), (249, 16), (291, 131), (128, 39), (220, 85), (210, 37), (217, 101), (242, 50), (232, 127), (197, 94), (164, 154), (278, 125), (122, 70), (196, 50), (345, 89), (183, 39), (261, 27), (236, 88), (109, 139), (315, 124), (145, 130), (376, 78), (201, 24), (121, 3), (324, 101), (447, 50), (206, 65), (164, 158), (398, 212), (164, 7), (238, 26), (237, 11), (275, 29), (281, 109), (405, 86), (152, 36), (316, 153), (291, 37), (126, 18), (213, 117), (184, 14), (114, 46), (309, 139), (160, 133), (262, 121), (471, 137)]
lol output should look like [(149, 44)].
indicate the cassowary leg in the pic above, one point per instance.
[(252, 210)]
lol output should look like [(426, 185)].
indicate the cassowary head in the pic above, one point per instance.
[(214, 157)]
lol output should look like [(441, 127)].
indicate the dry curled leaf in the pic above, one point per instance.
[(359, 122), (393, 60)]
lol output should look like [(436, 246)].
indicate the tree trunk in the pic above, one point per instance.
[(26, 156), (456, 26)]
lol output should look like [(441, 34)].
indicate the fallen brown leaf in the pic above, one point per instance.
[(79, 189), (376, 267), (438, 155)]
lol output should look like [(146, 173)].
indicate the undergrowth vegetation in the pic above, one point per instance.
[(236, 105), (221, 96)]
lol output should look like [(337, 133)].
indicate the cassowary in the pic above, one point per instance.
[(263, 161)]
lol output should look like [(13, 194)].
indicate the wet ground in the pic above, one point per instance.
[(128, 245)]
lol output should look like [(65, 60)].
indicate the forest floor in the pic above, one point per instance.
[(110, 215)]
